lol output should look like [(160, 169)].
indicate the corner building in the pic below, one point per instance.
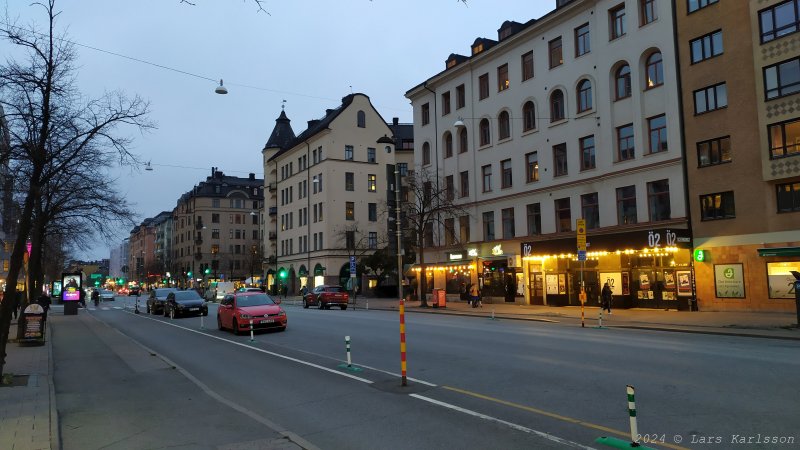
[(572, 115)]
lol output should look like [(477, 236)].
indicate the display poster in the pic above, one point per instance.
[(56, 289), (684, 279), (729, 280), (644, 281), (551, 284), (626, 283), (562, 283), (780, 279), (614, 280), (669, 279), (71, 290)]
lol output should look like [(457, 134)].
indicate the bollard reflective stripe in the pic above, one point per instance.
[(632, 415), (403, 342), (347, 344)]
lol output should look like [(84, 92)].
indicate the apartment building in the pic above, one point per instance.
[(216, 233), (163, 242), (327, 194), (574, 115), (141, 255), (740, 77), (7, 210)]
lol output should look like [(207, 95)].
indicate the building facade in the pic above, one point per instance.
[(163, 243), (574, 115), (141, 254), (740, 66)]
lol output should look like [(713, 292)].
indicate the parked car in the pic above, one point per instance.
[(134, 290), (156, 300), (326, 295), (237, 310), (183, 303), (106, 295)]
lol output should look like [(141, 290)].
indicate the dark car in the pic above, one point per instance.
[(185, 303), (241, 310), (134, 290), (156, 300), (325, 296)]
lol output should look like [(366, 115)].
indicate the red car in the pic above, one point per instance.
[(238, 309), (325, 296)]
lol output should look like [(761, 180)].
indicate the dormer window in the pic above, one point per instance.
[(477, 49)]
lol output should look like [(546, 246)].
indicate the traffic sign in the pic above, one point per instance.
[(581, 255), (352, 265), (580, 225)]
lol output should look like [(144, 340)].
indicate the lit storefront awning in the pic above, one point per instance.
[(779, 251)]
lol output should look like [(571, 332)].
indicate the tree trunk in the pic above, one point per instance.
[(421, 281)]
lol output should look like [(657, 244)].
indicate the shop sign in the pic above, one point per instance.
[(667, 238), (456, 256), (729, 280), (473, 252), (614, 280), (526, 249), (781, 280), (497, 250)]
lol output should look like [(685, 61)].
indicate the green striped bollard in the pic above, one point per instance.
[(632, 416), (347, 344)]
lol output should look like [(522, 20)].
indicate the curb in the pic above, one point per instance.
[(55, 434)]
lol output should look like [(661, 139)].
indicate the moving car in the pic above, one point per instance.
[(123, 291), (106, 295), (183, 303), (326, 295), (156, 300), (237, 310)]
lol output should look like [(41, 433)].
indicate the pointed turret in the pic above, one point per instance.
[(282, 135)]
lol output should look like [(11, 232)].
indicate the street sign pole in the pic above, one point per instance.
[(353, 278), (580, 226)]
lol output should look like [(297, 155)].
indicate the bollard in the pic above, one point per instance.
[(201, 321), (251, 331), (347, 345), (600, 319), (402, 309), (632, 415), (492, 313)]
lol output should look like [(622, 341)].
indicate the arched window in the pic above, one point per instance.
[(361, 118), (426, 153), (623, 82), (448, 144), (655, 70), (528, 116), (557, 106), (584, 95), (503, 126), (486, 136), (463, 142)]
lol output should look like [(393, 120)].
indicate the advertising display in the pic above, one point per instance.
[(55, 291), (729, 280), (71, 287), (614, 280)]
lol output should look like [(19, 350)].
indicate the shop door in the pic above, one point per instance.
[(590, 283), (537, 288)]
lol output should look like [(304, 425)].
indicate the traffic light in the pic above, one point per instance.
[(282, 273), (207, 271), (189, 274), (96, 283)]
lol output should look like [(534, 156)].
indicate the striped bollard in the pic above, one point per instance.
[(402, 309), (600, 320), (632, 414), (251, 331), (347, 345)]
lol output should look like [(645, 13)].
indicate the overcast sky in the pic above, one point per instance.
[(310, 53)]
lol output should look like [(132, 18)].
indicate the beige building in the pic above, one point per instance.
[(327, 190), (574, 115), (740, 76)]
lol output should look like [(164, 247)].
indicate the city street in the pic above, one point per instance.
[(474, 382)]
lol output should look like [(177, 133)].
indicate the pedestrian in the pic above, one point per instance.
[(82, 299), (605, 296), (15, 306), (44, 302), (474, 296)]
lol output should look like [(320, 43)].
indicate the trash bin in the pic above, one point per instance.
[(439, 299)]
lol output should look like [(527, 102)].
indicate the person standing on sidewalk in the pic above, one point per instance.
[(474, 296), (605, 296)]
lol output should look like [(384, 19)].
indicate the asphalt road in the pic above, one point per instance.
[(480, 383)]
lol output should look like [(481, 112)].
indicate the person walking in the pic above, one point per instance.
[(474, 296), (605, 296)]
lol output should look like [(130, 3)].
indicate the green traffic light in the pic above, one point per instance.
[(282, 274), (208, 271), (189, 274)]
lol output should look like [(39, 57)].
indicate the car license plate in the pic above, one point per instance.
[(267, 321), (194, 309)]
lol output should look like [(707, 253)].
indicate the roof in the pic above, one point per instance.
[(282, 135)]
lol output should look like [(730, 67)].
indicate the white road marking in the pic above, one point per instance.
[(470, 412)]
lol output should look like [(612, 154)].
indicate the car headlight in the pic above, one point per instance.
[(246, 316), (282, 313)]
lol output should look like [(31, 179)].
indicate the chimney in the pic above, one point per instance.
[(395, 121), (312, 123), (252, 176)]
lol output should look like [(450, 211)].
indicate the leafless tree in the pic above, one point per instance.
[(51, 126)]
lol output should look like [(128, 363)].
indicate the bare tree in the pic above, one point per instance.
[(354, 241), (50, 126)]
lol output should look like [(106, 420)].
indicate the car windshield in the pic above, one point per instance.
[(164, 291), (254, 300), (187, 295)]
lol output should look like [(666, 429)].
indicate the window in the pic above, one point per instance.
[(426, 153), (616, 17), (461, 98), (531, 167), (506, 180), (503, 126), (784, 139), (214, 234), (446, 103), (483, 86), (655, 70), (463, 142), (449, 187), (658, 200), (464, 184), (463, 228), (626, 205), (779, 20), (348, 152), (694, 5), (487, 177), (507, 216), (215, 203), (625, 143), (584, 96), (706, 47), (403, 169), (527, 66), (560, 167), (349, 183), (372, 183), (361, 119), (557, 106), (488, 226), (563, 215), (372, 240), (350, 211), (534, 213), (448, 145), (782, 79), (582, 44), (370, 154), (502, 78), (372, 212), (623, 82), (528, 116), (485, 130), (214, 218), (350, 239), (587, 152), (717, 206), (590, 210), (647, 11), (426, 114), (714, 151), (710, 98), (657, 127), (788, 197), (555, 51), (449, 231)]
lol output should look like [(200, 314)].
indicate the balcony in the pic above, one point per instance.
[(273, 186), (273, 236), (273, 210)]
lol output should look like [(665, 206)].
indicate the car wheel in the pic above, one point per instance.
[(321, 304), (305, 304), (219, 324), (235, 327), (343, 307)]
